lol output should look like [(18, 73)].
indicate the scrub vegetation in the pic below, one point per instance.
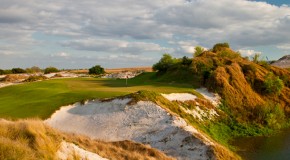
[(33, 140), (256, 96)]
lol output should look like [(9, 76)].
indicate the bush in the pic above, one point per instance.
[(273, 84), (219, 46), (164, 63), (35, 78), (33, 69), (198, 51), (96, 70), (2, 72), (50, 70), (18, 70)]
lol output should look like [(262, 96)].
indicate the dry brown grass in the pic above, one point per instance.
[(33, 140), (15, 78), (240, 81), (27, 139), (122, 150)]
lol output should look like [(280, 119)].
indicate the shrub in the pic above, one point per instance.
[(33, 69), (164, 63), (50, 70), (35, 78), (96, 70), (198, 51), (186, 61), (2, 72), (18, 70), (219, 46), (273, 84)]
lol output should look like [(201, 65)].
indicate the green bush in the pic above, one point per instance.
[(33, 69), (219, 46), (2, 72), (50, 70), (273, 84), (164, 63), (198, 51), (35, 78), (96, 70), (18, 70)]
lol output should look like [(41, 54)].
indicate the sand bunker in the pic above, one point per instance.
[(179, 96), (67, 150), (144, 122)]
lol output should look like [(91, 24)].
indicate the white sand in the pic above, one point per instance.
[(143, 122), (5, 84), (179, 96), (68, 150), (214, 98)]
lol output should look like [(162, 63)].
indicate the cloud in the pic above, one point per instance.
[(248, 52), (112, 45), (129, 27)]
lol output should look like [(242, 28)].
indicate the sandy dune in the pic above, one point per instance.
[(143, 122)]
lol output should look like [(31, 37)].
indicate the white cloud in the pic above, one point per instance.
[(248, 52), (140, 27), (284, 46)]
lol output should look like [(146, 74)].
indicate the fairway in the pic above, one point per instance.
[(41, 99)]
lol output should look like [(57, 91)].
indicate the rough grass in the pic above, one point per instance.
[(32, 140), (41, 99), (27, 140)]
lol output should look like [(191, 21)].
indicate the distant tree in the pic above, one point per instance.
[(96, 70), (164, 63), (33, 69), (18, 70), (2, 72), (220, 46), (50, 70), (198, 51)]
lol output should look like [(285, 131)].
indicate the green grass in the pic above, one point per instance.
[(41, 99)]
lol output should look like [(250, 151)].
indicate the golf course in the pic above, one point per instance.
[(41, 99)]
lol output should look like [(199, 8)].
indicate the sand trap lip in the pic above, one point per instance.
[(179, 96), (144, 122), (67, 150), (214, 98)]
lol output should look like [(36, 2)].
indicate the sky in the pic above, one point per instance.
[(73, 34)]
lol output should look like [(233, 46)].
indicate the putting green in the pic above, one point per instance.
[(41, 99)]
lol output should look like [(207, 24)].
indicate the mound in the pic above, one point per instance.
[(32, 140), (137, 120), (283, 62)]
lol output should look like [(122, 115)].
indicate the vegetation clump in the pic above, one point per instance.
[(256, 96), (33, 140), (97, 70), (34, 78), (50, 70)]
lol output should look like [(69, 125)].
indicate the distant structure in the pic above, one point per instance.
[(283, 62)]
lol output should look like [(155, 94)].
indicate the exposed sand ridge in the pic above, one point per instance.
[(144, 122)]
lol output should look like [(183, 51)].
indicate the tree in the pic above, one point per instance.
[(96, 70), (18, 70), (198, 51), (164, 63), (33, 69), (50, 70), (2, 72)]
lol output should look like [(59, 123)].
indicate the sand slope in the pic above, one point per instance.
[(143, 122)]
